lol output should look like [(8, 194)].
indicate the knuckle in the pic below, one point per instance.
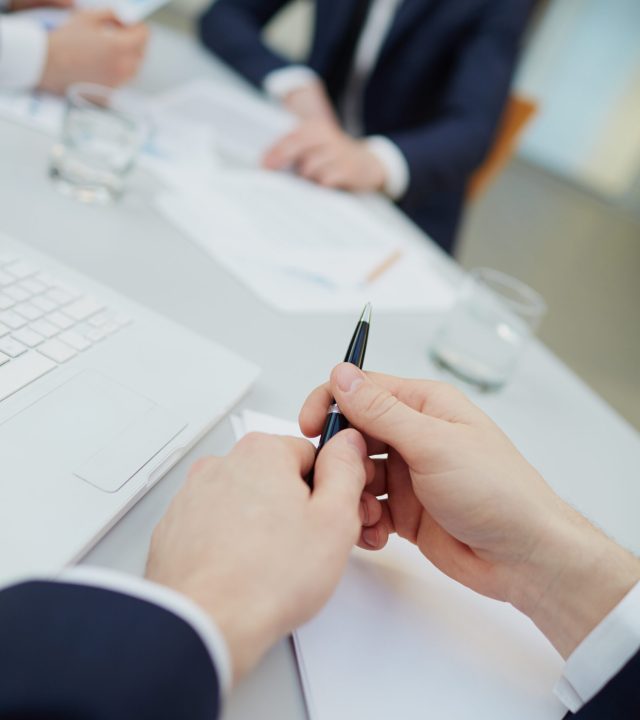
[(380, 405), (201, 465)]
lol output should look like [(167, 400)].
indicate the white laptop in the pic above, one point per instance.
[(99, 397)]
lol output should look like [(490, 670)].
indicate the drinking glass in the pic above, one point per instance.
[(483, 336), (99, 144)]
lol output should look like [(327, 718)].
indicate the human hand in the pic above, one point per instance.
[(18, 5), (248, 542), (459, 490), (93, 47), (310, 102), (322, 152)]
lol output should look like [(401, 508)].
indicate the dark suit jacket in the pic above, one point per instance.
[(437, 91), (619, 699), (70, 652)]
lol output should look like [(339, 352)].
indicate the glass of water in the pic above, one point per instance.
[(99, 144), (483, 336)]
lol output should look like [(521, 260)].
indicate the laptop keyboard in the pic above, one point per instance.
[(44, 323)]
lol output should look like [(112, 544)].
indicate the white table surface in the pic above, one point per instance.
[(584, 449)]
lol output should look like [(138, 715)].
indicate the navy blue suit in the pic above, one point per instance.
[(437, 91), (70, 652)]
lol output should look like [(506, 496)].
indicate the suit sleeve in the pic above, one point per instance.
[(232, 29), (620, 697), (442, 153), (75, 651)]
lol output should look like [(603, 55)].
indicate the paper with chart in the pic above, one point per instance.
[(400, 640), (303, 248)]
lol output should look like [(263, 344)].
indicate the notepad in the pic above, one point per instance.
[(400, 640)]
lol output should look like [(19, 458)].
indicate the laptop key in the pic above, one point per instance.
[(12, 347), (12, 319), (4, 358), (28, 311), (28, 337), (6, 301), (44, 327), (74, 339), (22, 371), (83, 308), (57, 350), (60, 320)]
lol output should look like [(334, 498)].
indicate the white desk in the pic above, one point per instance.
[(589, 454)]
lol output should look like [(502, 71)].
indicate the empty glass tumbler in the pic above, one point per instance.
[(99, 144), (483, 336)]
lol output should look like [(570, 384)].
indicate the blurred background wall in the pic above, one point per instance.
[(565, 214)]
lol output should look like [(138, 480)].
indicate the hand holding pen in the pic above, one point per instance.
[(336, 421)]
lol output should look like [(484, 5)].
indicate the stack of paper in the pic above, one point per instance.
[(401, 640)]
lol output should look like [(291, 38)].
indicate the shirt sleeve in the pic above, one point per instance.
[(279, 83), (602, 654), (395, 164), (166, 598), (23, 53)]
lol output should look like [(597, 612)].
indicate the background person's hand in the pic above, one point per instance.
[(322, 152), (18, 5), (93, 46), (248, 542), (310, 102), (461, 491)]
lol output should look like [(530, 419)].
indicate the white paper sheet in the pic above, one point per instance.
[(246, 125), (401, 640), (127, 11), (178, 151), (302, 248)]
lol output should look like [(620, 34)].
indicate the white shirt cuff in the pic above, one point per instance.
[(279, 83), (395, 164), (602, 654), (164, 597), (23, 53)]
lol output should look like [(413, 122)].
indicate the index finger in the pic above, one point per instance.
[(289, 454), (314, 412)]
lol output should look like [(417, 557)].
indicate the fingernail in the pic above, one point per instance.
[(364, 512), (348, 377), (370, 536), (356, 441)]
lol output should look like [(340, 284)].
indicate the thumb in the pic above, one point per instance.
[(378, 413), (339, 479)]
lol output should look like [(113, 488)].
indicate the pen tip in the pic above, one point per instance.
[(366, 314)]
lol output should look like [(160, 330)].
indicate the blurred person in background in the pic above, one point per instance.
[(399, 96), (91, 46)]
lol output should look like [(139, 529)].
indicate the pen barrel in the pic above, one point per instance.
[(358, 345), (334, 423)]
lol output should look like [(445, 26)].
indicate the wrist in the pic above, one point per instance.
[(249, 631), (572, 581)]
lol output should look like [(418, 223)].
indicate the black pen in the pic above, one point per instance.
[(336, 421)]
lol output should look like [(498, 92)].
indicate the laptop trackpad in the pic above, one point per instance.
[(121, 458), (92, 427)]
